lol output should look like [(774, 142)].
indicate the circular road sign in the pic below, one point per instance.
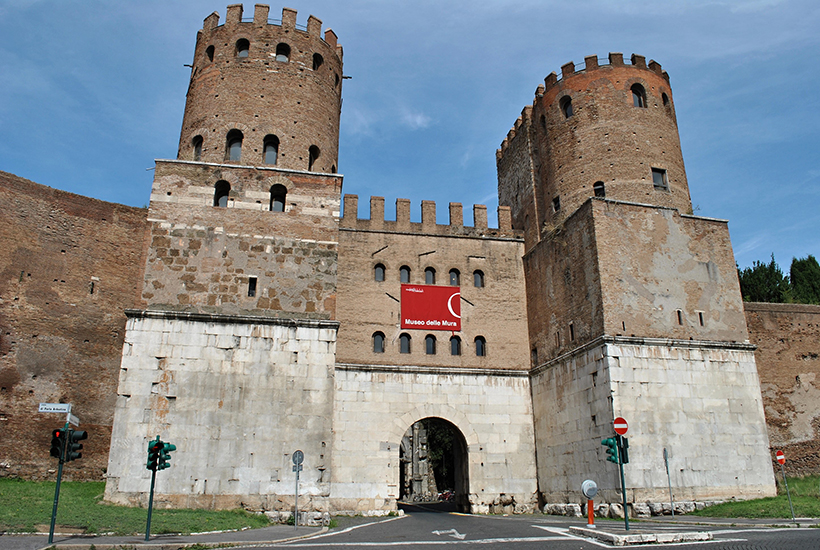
[(781, 458), (298, 457), (589, 488), (620, 426)]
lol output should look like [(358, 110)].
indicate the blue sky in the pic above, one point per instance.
[(92, 91)]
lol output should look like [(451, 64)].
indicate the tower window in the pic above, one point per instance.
[(197, 143), (556, 204), (455, 345), (313, 156), (209, 53), (599, 189), (480, 346), (251, 287), (659, 179), (270, 149), (679, 314), (534, 357), (404, 343), (638, 96), (282, 52), (278, 194), (478, 279), (566, 106), (404, 274), (378, 342), (378, 273), (221, 191), (242, 47), (455, 277), (430, 344), (429, 276), (665, 99), (571, 332), (233, 147), (317, 61), (700, 318)]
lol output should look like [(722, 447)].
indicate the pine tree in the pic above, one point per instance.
[(764, 283), (805, 280)]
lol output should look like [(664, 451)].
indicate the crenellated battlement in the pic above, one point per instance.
[(428, 225), (261, 12)]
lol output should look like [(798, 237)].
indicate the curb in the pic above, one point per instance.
[(642, 538)]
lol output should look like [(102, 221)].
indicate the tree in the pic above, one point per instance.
[(805, 280), (764, 283)]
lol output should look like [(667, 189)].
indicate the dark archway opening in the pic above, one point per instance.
[(433, 464)]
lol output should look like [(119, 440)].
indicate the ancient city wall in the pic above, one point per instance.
[(787, 337), (69, 266)]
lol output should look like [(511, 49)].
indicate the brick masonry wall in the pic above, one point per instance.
[(59, 341), (788, 362)]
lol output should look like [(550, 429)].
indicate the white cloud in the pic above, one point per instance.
[(415, 120)]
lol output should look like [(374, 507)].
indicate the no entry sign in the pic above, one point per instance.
[(781, 458), (620, 426)]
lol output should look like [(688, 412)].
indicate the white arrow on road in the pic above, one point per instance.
[(452, 532)]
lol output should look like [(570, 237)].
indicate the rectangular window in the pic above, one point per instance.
[(700, 318), (251, 286), (556, 204), (680, 316), (659, 179), (571, 332)]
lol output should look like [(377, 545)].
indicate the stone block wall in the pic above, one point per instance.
[(787, 337), (237, 396), (69, 266)]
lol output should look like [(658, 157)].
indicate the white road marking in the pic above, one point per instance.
[(432, 542), (567, 535), (452, 532)]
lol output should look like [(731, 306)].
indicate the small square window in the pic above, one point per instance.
[(659, 179)]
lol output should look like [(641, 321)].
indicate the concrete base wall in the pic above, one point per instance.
[(699, 400)]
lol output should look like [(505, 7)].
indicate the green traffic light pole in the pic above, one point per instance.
[(59, 479), (156, 445)]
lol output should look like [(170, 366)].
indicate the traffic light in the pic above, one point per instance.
[(165, 455), (624, 450), (611, 445), (57, 442), (74, 448), (154, 448)]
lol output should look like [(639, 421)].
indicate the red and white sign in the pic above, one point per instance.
[(781, 458), (620, 426), (431, 307)]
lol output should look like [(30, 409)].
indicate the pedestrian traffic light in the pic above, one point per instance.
[(165, 455), (74, 448), (624, 450), (57, 442), (154, 448), (611, 445)]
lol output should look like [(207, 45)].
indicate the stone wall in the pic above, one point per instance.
[(787, 337), (69, 266)]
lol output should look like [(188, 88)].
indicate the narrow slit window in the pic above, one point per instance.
[(404, 343), (378, 342), (197, 143), (404, 274), (278, 196), (556, 204), (480, 346), (313, 156), (455, 345), (534, 357), (251, 287), (700, 318), (680, 316), (378, 273), (430, 344), (571, 332), (271, 149)]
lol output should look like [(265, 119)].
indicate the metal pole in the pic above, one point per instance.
[(623, 483), (783, 471), (669, 481), (297, 467), (59, 480), (150, 505)]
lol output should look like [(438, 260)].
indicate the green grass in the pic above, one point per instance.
[(805, 493), (24, 504)]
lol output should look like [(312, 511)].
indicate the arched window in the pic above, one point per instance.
[(333, 169), (313, 156), (197, 143), (404, 343), (455, 345), (282, 52), (478, 278), (378, 273), (455, 277), (378, 342), (221, 191), (404, 274), (278, 194), (233, 145), (480, 346), (665, 99), (242, 47), (638, 95), (209, 53), (429, 276), (317, 61), (430, 344), (566, 106), (599, 189), (270, 149)]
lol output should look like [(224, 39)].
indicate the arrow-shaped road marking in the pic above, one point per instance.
[(452, 532)]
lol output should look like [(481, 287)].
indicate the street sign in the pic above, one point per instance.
[(589, 488), (298, 457), (781, 458), (73, 420), (54, 408), (620, 426)]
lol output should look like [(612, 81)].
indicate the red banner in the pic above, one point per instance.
[(429, 307)]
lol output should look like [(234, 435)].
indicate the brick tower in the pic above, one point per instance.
[(633, 303)]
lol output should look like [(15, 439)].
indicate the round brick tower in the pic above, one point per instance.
[(604, 130), (264, 93)]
